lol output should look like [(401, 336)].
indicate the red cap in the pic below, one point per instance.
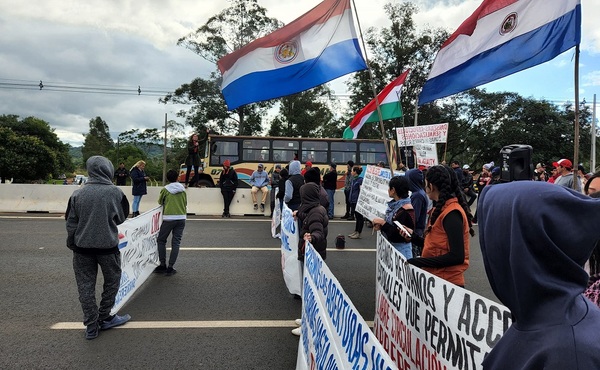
[(309, 163), (563, 162), (422, 167), (226, 163)]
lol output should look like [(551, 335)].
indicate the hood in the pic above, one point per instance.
[(295, 168), (100, 170), (535, 237), (415, 179), (175, 187), (310, 195)]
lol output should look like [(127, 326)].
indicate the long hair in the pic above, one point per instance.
[(191, 136), (137, 164), (444, 178)]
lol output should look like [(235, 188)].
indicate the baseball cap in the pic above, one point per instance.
[(563, 162), (466, 167), (260, 165), (277, 166), (309, 163)]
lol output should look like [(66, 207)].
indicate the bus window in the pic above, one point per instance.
[(342, 152), (256, 151), (314, 151), (284, 150), (222, 150), (371, 153)]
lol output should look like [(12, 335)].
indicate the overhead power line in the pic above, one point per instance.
[(13, 84)]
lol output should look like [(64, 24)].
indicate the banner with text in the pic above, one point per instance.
[(373, 196), (289, 251), (426, 154), (276, 219), (139, 253), (334, 334), (425, 322), (427, 134)]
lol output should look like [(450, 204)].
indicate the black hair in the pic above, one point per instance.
[(444, 178), (400, 185), (586, 188), (172, 175), (357, 169), (313, 175)]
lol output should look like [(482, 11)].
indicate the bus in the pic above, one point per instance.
[(246, 152)]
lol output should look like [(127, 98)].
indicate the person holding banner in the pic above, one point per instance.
[(446, 241), (93, 213), (399, 209), (536, 270)]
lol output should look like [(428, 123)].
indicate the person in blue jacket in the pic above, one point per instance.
[(535, 239)]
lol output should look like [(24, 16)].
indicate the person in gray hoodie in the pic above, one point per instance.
[(93, 213), (292, 186)]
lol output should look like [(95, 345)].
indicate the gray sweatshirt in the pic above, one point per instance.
[(95, 210)]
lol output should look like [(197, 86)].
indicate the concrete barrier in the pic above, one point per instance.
[(201, 201)]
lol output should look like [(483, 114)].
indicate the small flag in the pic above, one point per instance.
[(389, 102), (500, 38), (314, 49)]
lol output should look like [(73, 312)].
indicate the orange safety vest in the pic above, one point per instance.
[(436, 244)]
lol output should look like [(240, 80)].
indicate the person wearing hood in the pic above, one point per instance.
[(314, 176), (228, 182), (292, 186), (284, 175), (418, 199), (535, 239), (173, 198), (93, 213)]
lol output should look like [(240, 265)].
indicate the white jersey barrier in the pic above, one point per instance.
[(425, 322), (139, 253), (334, 335)]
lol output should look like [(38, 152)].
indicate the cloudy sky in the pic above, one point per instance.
[(91, 57)]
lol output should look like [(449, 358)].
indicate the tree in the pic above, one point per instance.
[(97, 140), (235, 26), (31, 151)]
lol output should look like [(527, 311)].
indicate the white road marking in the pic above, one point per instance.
[(191, 324)]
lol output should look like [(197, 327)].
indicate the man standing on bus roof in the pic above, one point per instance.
[(259, 180)]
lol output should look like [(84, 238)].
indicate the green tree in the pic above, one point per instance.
[(31, 151), (235, 26), (97, 140)]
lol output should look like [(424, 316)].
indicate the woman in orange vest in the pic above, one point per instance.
[(446, 240)]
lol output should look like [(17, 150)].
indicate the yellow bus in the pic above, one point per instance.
[(246, 152)]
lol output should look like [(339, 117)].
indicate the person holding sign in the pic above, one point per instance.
[(401, 210), (446, 240), (536, 270)]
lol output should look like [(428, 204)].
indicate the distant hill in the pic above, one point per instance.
[(75, 153)]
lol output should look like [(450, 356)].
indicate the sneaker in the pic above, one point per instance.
[(355, 236), (297, 331), (298, 322), (116, 320), (171, 271), (160, 269), (262, 207), (255, 207), (92, 331), (352, 234)]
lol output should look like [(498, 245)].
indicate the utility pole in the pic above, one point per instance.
[(164, 180)]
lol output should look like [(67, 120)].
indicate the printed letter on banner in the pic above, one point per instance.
[(334, 335), (139, 253), (425, 322), (289, 251)]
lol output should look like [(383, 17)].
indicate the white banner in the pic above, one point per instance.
[(289, 251), (139, 253), (334, 335), (427, 134), (276, 219), (425, 322), (373, 197), (426, 154)]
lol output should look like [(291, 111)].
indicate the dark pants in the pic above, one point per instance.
[(168, 226), (187, 174), (472, 196), (227, 198), (86, 272), (360, 220), (348, 207)]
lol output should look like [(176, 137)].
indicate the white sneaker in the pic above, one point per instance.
[(351, 235), (297, 331), (298, 322)]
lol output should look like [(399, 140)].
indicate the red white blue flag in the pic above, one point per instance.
[(500, 38), (314, 49)]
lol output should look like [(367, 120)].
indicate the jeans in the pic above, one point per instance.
[(331, 196), (136, 203), (472, 196), (176, 226), (404, 248)]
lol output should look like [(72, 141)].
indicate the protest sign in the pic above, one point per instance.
[(289, 251), (426, 154), (425, 322), (373, 197), (334, 334), (427, 134), (139, 253), (276, 219)]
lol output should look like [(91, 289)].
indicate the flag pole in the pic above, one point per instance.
[(371, 79), (576, 183), (403, 134)]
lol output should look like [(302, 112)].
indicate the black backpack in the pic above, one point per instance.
[(340, 242)]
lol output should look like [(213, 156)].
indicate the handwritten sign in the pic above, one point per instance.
[(427, 134), (426, 154), (373, 197)]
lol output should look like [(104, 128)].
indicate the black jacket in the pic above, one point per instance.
[(314, 220)]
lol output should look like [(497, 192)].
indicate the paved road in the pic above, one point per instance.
[(227, 308)]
